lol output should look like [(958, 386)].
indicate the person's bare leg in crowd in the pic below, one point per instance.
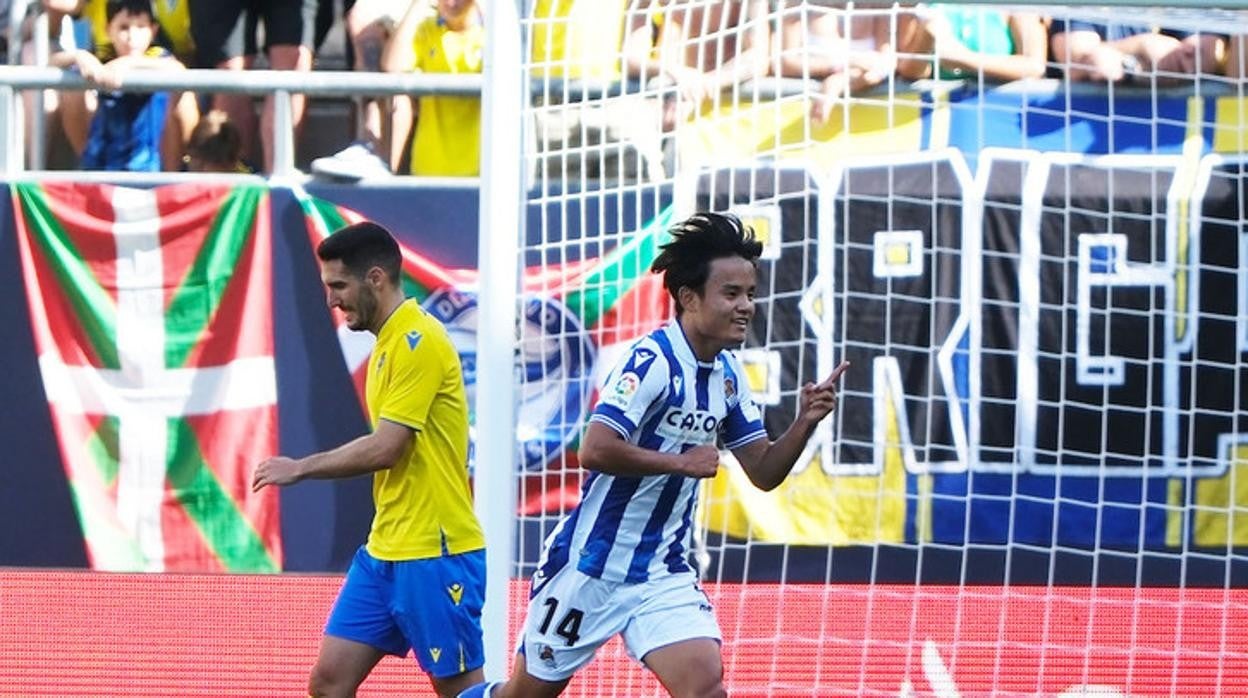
[(284, 58)]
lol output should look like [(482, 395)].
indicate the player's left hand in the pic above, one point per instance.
[(278, 470), (819, 400)]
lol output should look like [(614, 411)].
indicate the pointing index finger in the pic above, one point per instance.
[(830, 381)]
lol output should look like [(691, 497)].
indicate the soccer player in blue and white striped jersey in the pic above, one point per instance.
[(619, 562)]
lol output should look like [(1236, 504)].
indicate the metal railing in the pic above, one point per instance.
[(281, 83), (284, 83)]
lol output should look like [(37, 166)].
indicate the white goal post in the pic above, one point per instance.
[(1037, 480)]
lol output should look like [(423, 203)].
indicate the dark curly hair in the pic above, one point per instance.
[(685, 261)]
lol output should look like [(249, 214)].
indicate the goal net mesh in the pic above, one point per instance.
[(1037, 478)]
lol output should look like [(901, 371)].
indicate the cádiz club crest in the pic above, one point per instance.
[(555, 363)]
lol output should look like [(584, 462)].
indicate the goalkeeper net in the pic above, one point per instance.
[(1037, 478)]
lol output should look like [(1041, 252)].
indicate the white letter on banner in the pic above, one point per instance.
[(1102, 262)]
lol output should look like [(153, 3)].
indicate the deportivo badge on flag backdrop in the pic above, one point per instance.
[(152, 319)]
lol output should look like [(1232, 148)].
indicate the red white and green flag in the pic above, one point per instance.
[(577, 314), (151, 312)]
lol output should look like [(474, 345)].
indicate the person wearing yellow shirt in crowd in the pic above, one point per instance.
[(577, 39), (419, 582), (447, 139)]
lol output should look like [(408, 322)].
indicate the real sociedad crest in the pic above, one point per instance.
[(555, 364)]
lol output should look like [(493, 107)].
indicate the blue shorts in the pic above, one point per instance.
[(430, 606)]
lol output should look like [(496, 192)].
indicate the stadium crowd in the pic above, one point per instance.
[(678, 57)]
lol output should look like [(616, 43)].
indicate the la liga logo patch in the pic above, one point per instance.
[(622, 390)]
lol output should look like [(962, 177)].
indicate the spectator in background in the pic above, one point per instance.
[(326, 18), (171, 17), (224, 36), (846, 51), (447, 138), (1124, 52), (116, 130), (698, 48), (215, 146), (5, 29), (43, 107), (1199, 53), (957, 42), (585, 126), (370, 25), (577, 39), (1237, 57), (173, 33), (82, 24)]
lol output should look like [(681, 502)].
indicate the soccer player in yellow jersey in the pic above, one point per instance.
[(419, 582)]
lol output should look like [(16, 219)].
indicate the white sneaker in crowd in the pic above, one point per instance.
[(356, 161)]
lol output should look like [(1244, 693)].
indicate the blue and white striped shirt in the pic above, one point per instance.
[(660, 397)]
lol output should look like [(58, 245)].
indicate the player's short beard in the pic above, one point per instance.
[(365, 309)]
